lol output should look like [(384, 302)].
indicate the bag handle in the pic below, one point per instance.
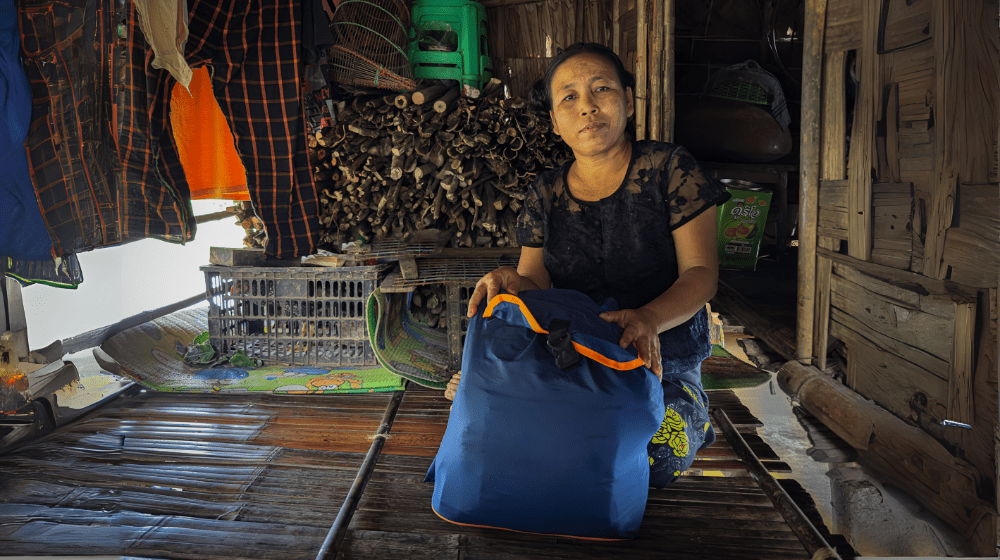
[(583, 350)]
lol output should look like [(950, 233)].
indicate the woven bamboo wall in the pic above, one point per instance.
[(913, 198), (524, 36)]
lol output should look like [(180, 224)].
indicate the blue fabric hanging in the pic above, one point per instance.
[(22, 233), (531, 447)]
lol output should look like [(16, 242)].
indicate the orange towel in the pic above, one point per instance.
[(205, 142)]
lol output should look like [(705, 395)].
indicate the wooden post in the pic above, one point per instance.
[(862, 149), (812, 71), (834, 134), (833, 152), (655, 74), (616, 27), (960, 395), (824, 269), (668, 70), (641, 65)]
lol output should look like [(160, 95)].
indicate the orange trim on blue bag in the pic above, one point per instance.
[(588, 352), (525, 532)]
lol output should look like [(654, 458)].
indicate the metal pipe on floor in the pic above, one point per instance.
[(814, 543), (205, 218), (96, 337), (334, 538)]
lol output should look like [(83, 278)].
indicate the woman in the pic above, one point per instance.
[(635, 221)]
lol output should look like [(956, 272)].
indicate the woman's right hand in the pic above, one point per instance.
[(504, 278)]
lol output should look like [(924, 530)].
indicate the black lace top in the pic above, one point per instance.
[(622, 246)]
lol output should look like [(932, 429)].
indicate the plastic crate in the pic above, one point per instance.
[(292, 316)]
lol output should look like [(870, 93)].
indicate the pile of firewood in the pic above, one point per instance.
[(429, 305), (397, 164), (256, 236)]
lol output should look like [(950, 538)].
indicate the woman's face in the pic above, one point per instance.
[(589, 106)]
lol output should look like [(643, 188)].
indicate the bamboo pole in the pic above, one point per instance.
[(668, 70), (655, 74), (335, 537), (833, 153), (812, 71), (641, 65), (616, 27)]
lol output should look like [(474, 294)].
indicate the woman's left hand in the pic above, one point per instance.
[(640, 329)]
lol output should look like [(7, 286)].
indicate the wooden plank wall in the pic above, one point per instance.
[(909, 221)]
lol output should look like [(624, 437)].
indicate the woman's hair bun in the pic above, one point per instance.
[(539, 97)]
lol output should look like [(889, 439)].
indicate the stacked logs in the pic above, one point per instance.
[(429, 305), (398, 164)]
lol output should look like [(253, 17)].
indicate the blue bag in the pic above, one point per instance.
[(533, 448)]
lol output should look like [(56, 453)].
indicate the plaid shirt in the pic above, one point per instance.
[(66, 47), (89, 197)]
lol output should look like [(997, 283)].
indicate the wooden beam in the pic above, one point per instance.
[(908, 456), (898, 386), (809, 165), (904, 278), (863, 135), (616, 27), (843, 26), (961, 406), (669, 89), (655, 73), (824, 269), (892, 133), (834, 135), (641, 69), (904, 323)]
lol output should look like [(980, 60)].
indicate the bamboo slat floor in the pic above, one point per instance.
[(202, 476)]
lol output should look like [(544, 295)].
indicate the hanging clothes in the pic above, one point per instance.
[(204, 142), (22, 232), (254, 50), (316, 38), (90, 195), (66, 46), (164, 24), (61, 272)]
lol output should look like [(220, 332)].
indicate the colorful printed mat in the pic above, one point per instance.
[(405, 346), (152, 354), (722, 370)]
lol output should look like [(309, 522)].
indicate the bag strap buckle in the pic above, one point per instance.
[(561, 345)]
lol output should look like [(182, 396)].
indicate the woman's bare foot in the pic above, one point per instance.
[(449, 392)]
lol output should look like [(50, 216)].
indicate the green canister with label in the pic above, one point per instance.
[(741, 224)]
